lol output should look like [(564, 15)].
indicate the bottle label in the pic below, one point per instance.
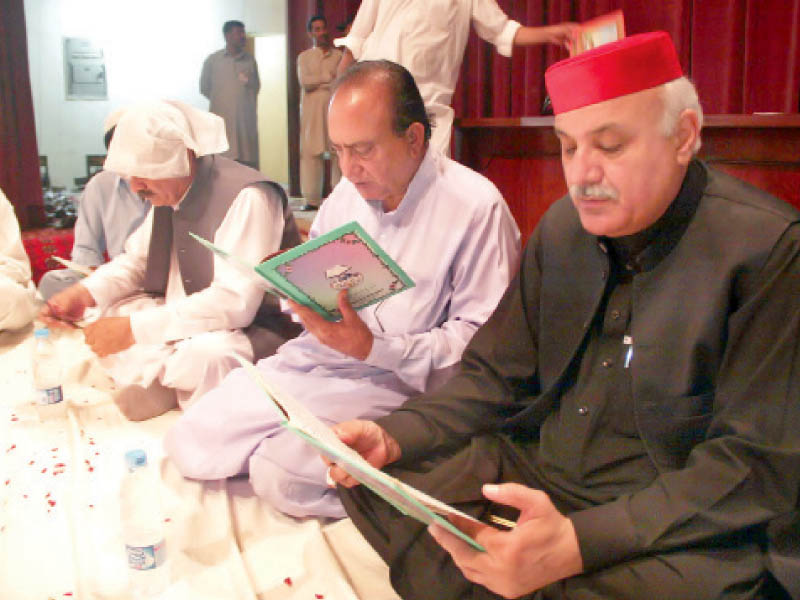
[(144, 558), (51, 395)]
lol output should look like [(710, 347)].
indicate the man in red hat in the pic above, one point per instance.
[(632, 404)]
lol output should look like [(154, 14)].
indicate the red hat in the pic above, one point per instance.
[(629, 65)]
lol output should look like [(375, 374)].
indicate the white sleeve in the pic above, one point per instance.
[(482, 270), (123, 275), (362, 27), (494, 26), (252, 229), (14, 262)]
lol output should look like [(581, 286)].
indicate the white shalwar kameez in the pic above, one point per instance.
[(428, 37), (455, 237), (17, 292), (180, 339)]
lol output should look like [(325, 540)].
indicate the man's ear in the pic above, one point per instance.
[(686, 135), (415, 135)]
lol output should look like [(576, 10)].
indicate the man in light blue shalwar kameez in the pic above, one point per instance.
[(445, 225)]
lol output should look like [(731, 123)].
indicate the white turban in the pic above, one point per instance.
[(151, 139), (112, 119)]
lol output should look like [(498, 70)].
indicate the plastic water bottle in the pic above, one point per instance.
[(143, 528), (47, 377)]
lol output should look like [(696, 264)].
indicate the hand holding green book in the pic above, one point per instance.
[(313, 273), (408, 500)]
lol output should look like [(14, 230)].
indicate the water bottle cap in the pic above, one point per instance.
[(135, 459), (41, 332)]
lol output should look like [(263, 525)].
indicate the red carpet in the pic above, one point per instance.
[(41, 244)]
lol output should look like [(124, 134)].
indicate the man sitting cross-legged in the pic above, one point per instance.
[(445, 225)]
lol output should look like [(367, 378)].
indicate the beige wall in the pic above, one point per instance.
[(273, 132), (153, 49)]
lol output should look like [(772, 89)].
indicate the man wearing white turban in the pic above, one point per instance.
[(108, 213), (172, 315)]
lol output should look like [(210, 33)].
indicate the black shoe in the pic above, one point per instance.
[(308, 207)]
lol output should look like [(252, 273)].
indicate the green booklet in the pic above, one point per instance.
[(314, 272), (408, 500)]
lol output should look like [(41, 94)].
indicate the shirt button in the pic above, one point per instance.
[(615, 314), (607, 363), (583, 410)]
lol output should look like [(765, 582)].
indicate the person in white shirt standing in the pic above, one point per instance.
[(17, 292), (428, 37), (172, 315)]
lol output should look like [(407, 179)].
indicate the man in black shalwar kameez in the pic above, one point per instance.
[(634, 401)]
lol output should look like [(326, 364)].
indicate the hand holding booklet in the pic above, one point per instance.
[(408, 500), (313, 273), (83, 270), (601, 30)]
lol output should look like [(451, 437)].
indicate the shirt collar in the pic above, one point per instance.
[(644, 250), (417, 187)]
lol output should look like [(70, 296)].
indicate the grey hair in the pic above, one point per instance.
[(679, 95)]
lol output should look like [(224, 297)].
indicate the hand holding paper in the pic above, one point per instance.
[(541, 549), (313, 273), (405, 498), (350, 335), (66, 307), (371, 441)]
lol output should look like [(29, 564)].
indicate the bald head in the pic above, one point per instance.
[(404, 100), (380, 144)]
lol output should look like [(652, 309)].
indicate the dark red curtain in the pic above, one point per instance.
[(746, 55), (743, 55), (298, 13), (337, 12), (19, 158)]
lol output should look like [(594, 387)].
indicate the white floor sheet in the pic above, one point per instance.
[(60, 534)]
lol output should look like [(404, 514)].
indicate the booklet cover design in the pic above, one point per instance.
[(598, 31), (314, 272), (344, 258)]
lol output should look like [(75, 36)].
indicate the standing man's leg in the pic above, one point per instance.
[(336, 172), (311, 180)]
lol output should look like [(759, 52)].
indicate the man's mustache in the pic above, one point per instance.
[(595, 190)]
